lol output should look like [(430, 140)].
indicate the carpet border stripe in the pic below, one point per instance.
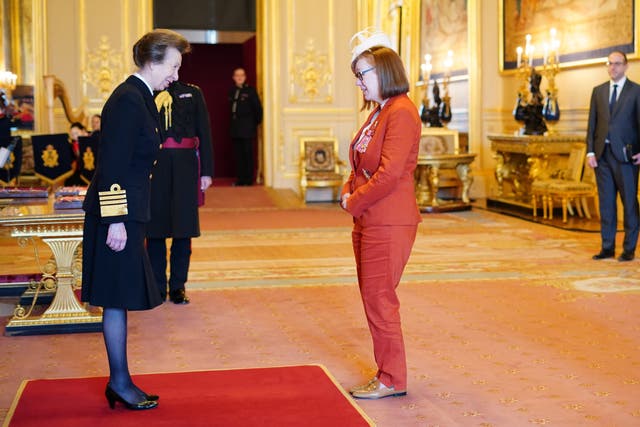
[(14, 404)]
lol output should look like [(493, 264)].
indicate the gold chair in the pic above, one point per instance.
[(578, 191), (572, 174), (320, 166)]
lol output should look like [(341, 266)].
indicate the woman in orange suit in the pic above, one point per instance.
[(380, 195)]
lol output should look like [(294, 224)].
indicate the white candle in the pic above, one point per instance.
[(546, 54), (532, 47), (519, 56)]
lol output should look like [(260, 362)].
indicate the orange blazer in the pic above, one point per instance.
[(381, 182)]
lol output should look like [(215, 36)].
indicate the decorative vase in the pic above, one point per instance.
[(445, 111), (551, 110)]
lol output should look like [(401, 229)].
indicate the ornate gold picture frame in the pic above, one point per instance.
[(587, 29)]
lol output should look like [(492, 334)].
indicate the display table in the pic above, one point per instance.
[(522, 159), (428, 178), (61, 230)]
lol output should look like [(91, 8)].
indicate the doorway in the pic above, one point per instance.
[(210, 66)]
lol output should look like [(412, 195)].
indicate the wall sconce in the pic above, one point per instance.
[(8, 80)]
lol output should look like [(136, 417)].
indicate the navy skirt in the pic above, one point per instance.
[(117, 279)]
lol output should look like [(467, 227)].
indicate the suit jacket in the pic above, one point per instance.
[(622, 126), (129, 143), (248, 112), (382, 177)]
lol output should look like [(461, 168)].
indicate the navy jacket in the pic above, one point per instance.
[(622, 126), (129, 143)]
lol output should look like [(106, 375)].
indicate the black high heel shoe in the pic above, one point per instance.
[(113, 397), (147, 396)]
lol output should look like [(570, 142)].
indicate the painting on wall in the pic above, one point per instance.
[(443, 28), (24, 107), (586, 30)]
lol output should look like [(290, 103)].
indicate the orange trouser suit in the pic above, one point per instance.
[(381, 254)]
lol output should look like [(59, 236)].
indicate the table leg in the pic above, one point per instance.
[(66, 313), (434, 184), (464, 174)]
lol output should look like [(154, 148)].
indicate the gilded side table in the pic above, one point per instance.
[(428, 171), (522, 159), (61, 230)]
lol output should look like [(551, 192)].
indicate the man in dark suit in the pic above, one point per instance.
[(612, 145), (246, 115)]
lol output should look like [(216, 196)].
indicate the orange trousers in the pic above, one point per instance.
[(381, 254)]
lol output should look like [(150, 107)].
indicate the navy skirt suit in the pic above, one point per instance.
[(129, 144)]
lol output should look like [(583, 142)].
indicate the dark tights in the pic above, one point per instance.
[(114, 330)]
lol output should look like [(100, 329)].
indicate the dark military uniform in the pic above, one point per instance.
[(246, 115), (129, 144), (186, 156)]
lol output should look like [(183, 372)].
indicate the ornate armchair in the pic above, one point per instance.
[(320, 166), (568, 185)]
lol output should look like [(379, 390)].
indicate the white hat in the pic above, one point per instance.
[(366, 39)]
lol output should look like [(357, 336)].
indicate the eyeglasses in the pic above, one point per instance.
[(617, 64), (360, 74)]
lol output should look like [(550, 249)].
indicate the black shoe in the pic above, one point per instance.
[(178, 296), (147, 396), (113, 397), (604, 254), (626, 256)]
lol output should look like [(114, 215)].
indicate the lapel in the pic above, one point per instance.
[(356, 156), (146, 95)]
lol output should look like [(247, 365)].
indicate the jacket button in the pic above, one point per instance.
[(160, 146), (156, 130), (150, 175), (154, 162)]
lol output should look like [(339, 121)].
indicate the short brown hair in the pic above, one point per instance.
[(619, 52), (152, 47), (392, 77)]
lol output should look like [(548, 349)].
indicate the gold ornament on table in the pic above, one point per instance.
[(439, 114), (537, 112)]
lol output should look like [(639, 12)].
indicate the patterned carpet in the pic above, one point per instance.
[(506, 322)]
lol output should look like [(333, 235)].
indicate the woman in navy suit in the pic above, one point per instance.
[(116, 273)]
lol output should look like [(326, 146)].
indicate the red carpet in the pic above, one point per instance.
[(283, 396)]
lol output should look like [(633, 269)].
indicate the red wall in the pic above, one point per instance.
[(211, 67)]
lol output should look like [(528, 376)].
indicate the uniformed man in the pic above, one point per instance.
[(183, 172), (246, 115)]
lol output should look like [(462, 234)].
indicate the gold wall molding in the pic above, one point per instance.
[(310, 76), (307, 43), (103, 68), (87, 45)]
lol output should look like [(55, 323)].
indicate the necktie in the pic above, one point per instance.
[(614, 96)]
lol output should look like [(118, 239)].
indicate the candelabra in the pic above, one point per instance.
[(551, 110), (439, 114), (538, 113)]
